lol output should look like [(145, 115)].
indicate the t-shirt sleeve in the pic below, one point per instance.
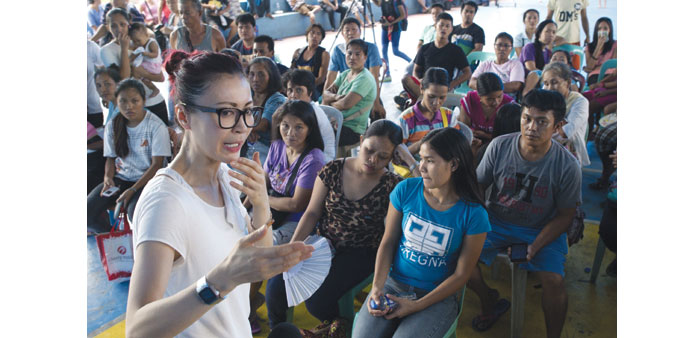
[(478, 35), (478, 221), (462, 61), (272, 156), (396, 197), (482, 68), (336, 62), (528, 53), (274, 102), (160, 217), (312, 164), (328, 174), (551, 5), (373, 56), (420, 58), (484, 171), (108, 141), (516, 71), (578, 116), (404, 128), (569, 194), (518, 39), (160, 140), (363, 85)]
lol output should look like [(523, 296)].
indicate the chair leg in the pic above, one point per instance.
[(289, 315), (597, 260), (518, 299)]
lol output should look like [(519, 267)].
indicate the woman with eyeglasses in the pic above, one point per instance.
[(193, 255), (509, 70)]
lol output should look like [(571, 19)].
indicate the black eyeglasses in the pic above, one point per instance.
[(229, 117), (503, 45)]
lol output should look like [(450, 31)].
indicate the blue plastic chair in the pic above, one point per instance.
[(474, 58), (612, 63)]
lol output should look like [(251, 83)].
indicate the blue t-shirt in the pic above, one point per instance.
[(431, 240), (337, 61), (273, 103)]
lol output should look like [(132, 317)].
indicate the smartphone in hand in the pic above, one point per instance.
[(519, 252), (110, 191)]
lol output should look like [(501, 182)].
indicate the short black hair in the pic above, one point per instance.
[(351, 20), (136, 27), (245, 18), (319, 27), (299, 77), (437, 5), (266, 39), (470, 3), (444, 16), (360, 43), (546, 100), (507, 36)]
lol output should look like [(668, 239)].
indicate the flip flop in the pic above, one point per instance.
[(483, 322)]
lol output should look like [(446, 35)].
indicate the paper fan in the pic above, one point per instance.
[(305, 278)]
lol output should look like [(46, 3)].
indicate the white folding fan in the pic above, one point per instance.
[(305, 278)]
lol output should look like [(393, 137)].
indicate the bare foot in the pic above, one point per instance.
[(269, 15)]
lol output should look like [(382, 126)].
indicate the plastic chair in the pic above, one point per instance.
[(573, 50), (518, 295), (612, 63), (345, 302), (597, 260), (452, 332), (474, 58), (334, 115)]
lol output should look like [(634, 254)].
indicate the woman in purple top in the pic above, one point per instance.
[(542, 45), (478, 108)]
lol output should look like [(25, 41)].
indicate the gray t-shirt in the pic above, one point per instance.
[(525, 193)]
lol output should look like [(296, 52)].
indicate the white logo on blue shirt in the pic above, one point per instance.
[(427, 237)]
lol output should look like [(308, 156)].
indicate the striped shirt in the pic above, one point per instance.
[(414, 125)]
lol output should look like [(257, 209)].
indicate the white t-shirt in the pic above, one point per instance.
[(149, 138), (110, 54), (170, 212), (509, 71), (521, 40), (327, 132), (93, 60), (567, 15)]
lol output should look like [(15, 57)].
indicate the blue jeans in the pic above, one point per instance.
[(395, 46), (434, 321)]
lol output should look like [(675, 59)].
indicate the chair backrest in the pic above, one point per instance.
[(334, 115), (573, 50), (476, 58), (612, 63)]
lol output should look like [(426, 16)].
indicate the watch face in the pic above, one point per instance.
[(207, 295)]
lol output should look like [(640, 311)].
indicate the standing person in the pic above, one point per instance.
[(393, 14), (468, 35), (557, 76), (535, 189), (94, 16), (535, 55), (299, 85), (195, 35), (353, 93), (510, 71), (348, 206), (600, 50), (531, 19), (136, 143), (193, 255), (246, 33), (117, 53), (301, 7), (479, 107), (331, 6), (265, 82), (439, 53), (434, 233), (313, 58), (337, 62), (570, 13)]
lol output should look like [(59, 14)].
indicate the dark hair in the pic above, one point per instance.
[(299, 77), (435, 75), (608, 45), (120, 122), (112, 71), (469, 3), (505, 35), (230, 52), (489, 82), (196, 3), (350, 19), (136, 27), (192, 73), (546, 100), (117, 11), (507, 120), (360, 43), (385, 128), (437, 5), (444, 16), (305, 113), (538, 45), (452, 145), (562, 51), (318, 26), (266, 39), (273, 71), (245, 18), (529, 11)]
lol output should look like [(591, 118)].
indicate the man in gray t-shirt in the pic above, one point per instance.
[(535, 187)]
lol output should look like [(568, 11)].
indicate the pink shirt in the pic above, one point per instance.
[(602, 59), (472, 104), (509, 71)]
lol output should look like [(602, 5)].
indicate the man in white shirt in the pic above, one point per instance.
[(299, 85)]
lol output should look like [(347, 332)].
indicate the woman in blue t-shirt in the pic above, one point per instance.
[(434, 234)]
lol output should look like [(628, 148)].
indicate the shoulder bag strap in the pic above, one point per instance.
[(294, 172)]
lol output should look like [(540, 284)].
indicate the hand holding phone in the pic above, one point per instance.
[(519, 252), (110, 191)]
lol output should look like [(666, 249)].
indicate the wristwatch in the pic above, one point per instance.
[(207, 293)]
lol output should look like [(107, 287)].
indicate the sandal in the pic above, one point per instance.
[(339, 329), (483, 322), (320, 331)]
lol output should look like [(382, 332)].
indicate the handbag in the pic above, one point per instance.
[(575, 231), (115, 249), (280, 216)]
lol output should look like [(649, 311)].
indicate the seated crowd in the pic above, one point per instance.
[(246, 153)]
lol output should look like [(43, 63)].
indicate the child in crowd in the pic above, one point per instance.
[(146, 55)]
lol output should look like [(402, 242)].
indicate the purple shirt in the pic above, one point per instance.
[(277, 168), (528, 53)]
